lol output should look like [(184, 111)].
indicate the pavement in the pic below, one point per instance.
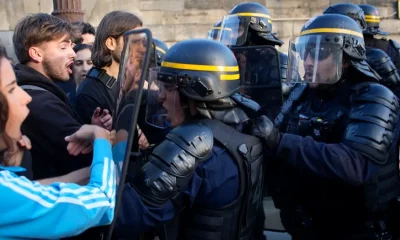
[(273, 222)]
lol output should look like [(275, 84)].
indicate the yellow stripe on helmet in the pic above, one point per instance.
[(160, 49), (197, 67), (372, 19), (229, 77), (331, 30), (250, 14)]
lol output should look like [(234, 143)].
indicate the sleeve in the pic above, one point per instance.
[(31, 210), (85, 106), (335, 161)]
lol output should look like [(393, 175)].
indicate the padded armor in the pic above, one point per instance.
[(394, 52), (373, 119), (384, 66), (172, 163), (236, 220)]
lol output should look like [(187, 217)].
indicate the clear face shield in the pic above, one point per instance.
[(131, 69), (315, 60), (131, 78), (163, 108), (233, 31)]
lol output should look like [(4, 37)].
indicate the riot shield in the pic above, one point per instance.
[(131, 79), (260, 77)]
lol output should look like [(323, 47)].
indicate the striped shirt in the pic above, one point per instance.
[(31, 210)]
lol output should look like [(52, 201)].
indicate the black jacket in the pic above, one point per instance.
[(50, 120)]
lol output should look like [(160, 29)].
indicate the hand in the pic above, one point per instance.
[(15, 152), (104, 120), (81, 142), (25, 142), (264, 128), (143, 143)]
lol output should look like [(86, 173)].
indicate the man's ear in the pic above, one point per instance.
[(36, 54), (111, 43)]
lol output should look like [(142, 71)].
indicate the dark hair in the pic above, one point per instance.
[(114, 24), (83, 28), (38, 28), (3, 100), (81, 46)]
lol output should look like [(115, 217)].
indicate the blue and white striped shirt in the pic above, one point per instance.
[(31, 210)]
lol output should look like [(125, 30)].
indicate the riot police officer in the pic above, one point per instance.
[(376, 58), (206, 174), (247, 30), (214, 31), (161, 49), (391, 47), (335, 141)]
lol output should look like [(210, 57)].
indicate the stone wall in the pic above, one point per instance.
[(176, 20)]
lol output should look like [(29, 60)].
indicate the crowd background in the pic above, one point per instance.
[(176, 20)]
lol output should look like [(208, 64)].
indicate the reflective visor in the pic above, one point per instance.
[(234, 30), (316, 60)]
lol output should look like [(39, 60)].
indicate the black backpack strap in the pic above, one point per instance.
[(108, 81), (102, 76)]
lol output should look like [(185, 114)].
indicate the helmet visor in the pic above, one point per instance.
[(162, 99), (315, 59), (233, 31)]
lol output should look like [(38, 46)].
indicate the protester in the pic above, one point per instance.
[(29, 208), (87, 33), (43, 46)]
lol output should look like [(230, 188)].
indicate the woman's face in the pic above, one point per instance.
[(81, 66), (17, 100)]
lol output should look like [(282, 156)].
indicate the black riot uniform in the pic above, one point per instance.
[(389, 46), (248, 28), (376, 58), (205, 179), (335, 170)]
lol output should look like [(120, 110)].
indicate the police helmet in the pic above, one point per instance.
[(213, 33), (318, 53), (199, 69), (350, 10), (161, 48), (373, 19), (248, 21)]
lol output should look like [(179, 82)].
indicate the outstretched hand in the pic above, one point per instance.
[(81, 142)]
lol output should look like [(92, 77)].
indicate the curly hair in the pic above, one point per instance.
[(38, 28)]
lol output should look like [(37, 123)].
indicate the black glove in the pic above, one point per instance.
[(264, 128)]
